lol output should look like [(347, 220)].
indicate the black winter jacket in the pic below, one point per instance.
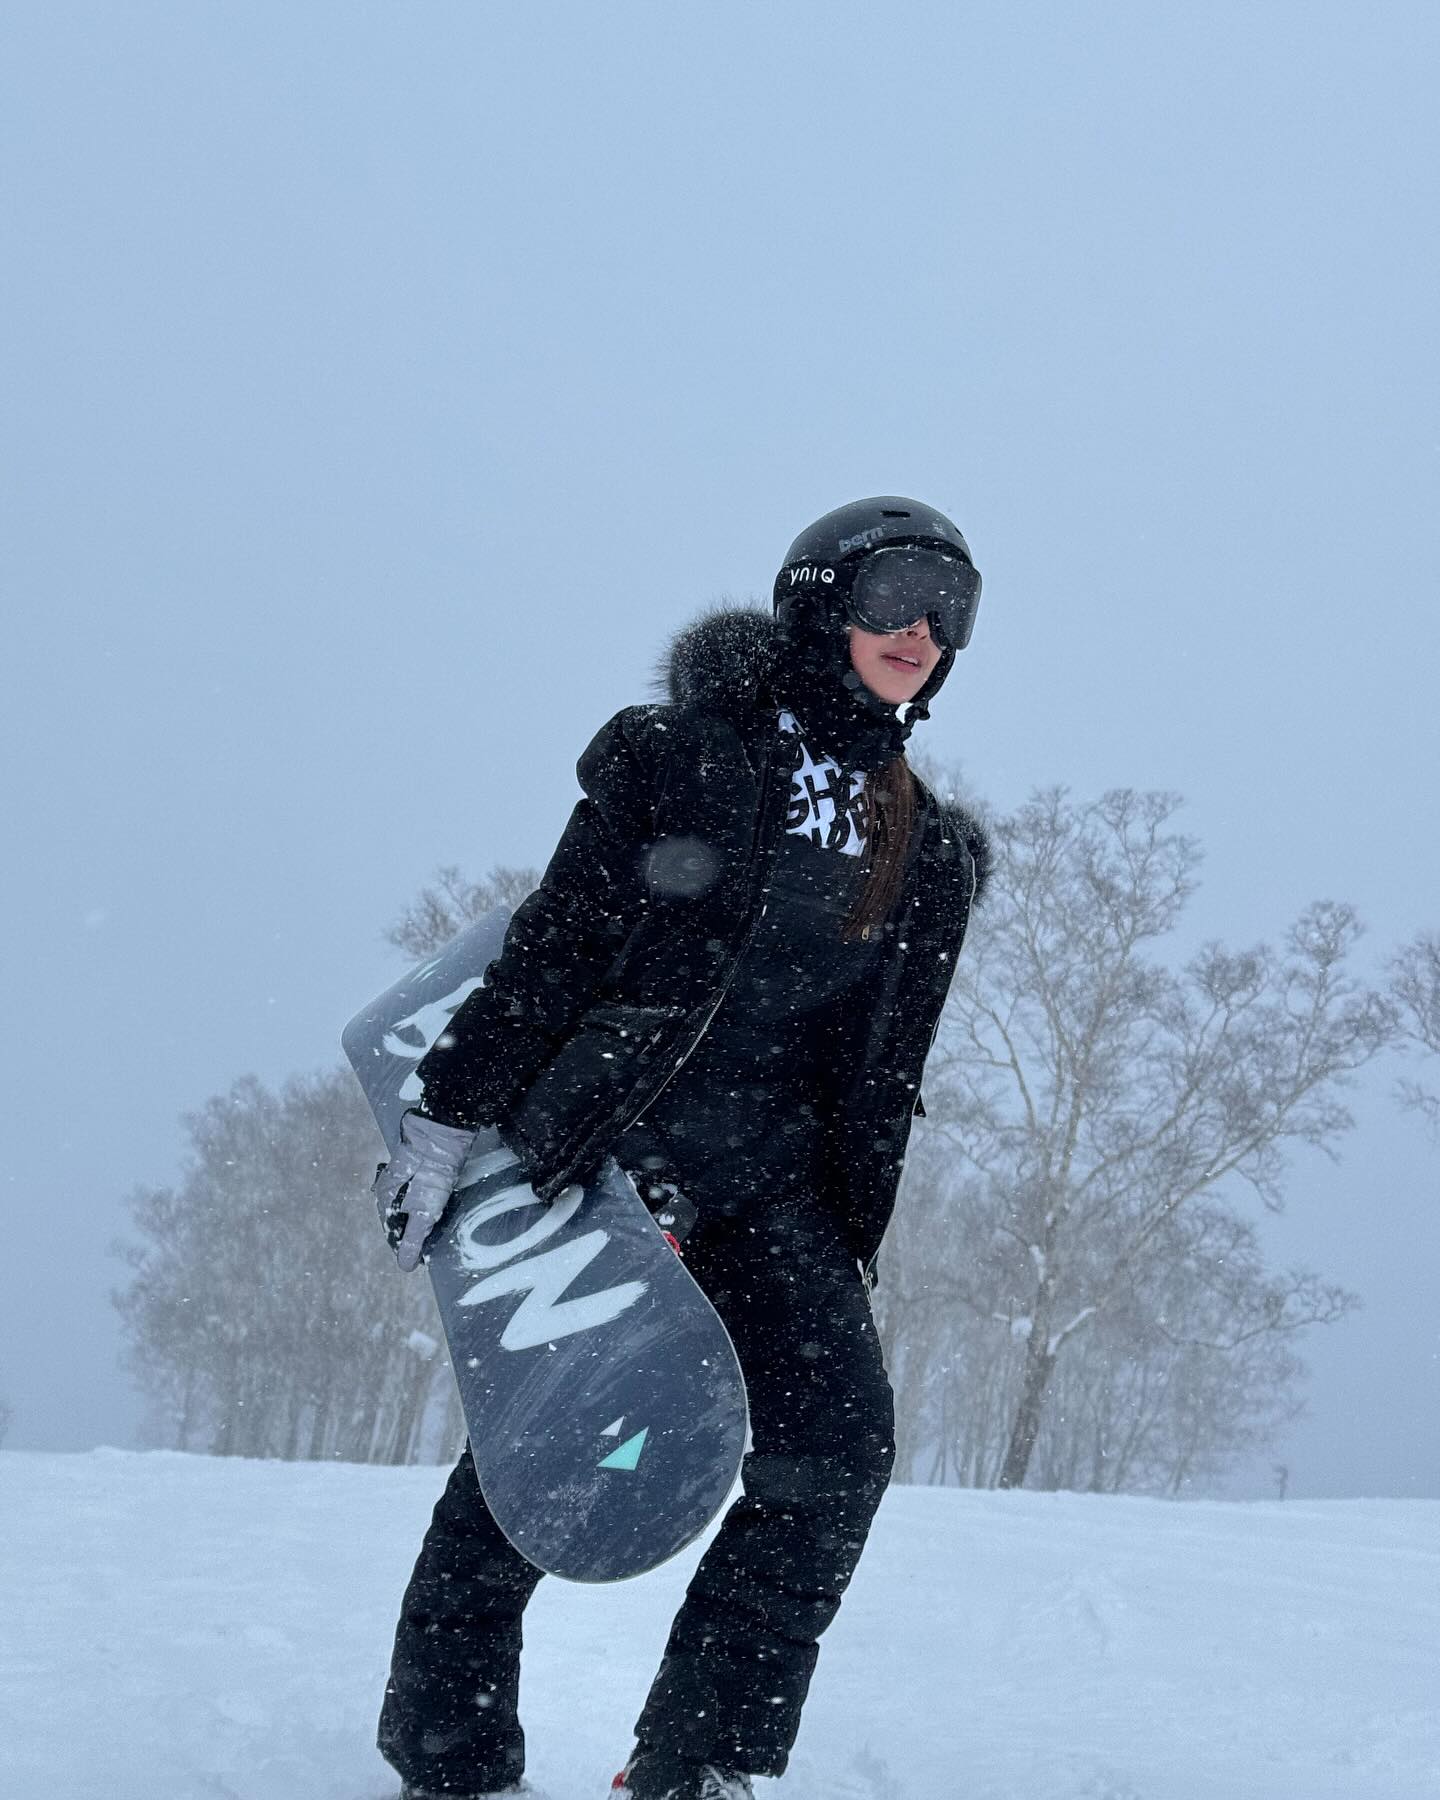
[(612, 969)]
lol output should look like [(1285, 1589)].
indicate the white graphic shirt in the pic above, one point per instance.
[(833, 813)]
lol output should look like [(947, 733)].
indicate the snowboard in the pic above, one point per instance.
[(602, 1394)]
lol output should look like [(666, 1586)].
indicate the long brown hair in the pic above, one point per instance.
[(890, 820)]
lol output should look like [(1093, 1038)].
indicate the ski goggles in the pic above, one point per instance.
[(897, 584)]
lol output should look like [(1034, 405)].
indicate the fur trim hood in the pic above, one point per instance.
[(722, 661), (719, 662)]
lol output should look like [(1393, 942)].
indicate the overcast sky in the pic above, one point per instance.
[(381, 384)]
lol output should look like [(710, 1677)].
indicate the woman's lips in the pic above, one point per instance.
[(905, 662)]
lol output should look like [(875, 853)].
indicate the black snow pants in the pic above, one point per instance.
[(744, 1645)]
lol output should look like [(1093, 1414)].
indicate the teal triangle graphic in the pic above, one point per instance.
[(628, 1455)]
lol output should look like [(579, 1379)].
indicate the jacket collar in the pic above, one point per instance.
[(721, 663)]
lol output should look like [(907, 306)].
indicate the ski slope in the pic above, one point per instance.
[(189, 1628)]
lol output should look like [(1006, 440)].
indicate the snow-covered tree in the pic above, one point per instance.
[(265, 1316), (452, 901), (1088, 1099), (1415, 986), (1164, 1390)]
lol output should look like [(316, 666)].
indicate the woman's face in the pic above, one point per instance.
[(894, 665)]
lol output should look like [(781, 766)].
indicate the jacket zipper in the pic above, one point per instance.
[(760, 844), (676, 1067)]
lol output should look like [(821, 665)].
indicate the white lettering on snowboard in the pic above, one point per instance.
[(477, 1256), (542, 1315), (480, 1165), (427, 1023)]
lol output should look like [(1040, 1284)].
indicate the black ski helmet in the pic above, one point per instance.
[(828, 555), (877, 556)]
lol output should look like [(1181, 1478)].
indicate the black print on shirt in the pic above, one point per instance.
[(833, 812)]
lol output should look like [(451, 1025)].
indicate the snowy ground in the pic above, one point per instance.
[(186, 1628)]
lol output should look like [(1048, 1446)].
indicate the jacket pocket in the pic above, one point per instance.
[(589, 1080)]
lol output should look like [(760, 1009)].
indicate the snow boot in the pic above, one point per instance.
[(660, 1775)]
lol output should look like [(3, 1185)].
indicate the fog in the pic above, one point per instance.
[(383, 385)]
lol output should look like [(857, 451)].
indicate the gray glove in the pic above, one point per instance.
[(413, 1189)]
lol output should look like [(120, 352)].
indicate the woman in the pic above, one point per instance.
[(729, 978)]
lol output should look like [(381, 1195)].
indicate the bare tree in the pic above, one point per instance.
[(452, 902), (264, 1314), (1086, 1094), (1190, 1369), (1415, 988)]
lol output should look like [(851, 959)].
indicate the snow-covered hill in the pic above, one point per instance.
[(185, 1628)]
